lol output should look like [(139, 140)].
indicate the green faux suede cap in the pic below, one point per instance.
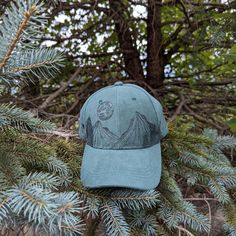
[(122, 125)]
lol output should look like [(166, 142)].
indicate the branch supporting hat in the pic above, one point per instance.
[(122, 125)]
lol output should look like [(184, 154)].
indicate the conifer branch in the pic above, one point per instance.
[(114, 220), (12, 117), (23, 25), (184, 230), (43, 62), (32, 66), (4, 209), (135, 199)]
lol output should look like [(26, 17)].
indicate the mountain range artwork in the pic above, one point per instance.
[(139, 134)]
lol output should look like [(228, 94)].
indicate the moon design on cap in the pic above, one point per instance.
[(105, 110)]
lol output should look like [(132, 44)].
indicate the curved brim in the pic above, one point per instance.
[(136, 168)]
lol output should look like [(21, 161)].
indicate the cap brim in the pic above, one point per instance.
[(136, 168)]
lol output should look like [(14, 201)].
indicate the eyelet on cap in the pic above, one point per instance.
[(118, 83)]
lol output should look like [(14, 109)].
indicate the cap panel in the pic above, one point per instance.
[(137, 119), (88, 112), (162, 124), (101, 119), (163, 127), (82, 115), (82, 129)]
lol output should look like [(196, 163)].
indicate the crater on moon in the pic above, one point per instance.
[(105, 110)]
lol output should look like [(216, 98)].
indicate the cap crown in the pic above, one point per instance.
[(122, 116)]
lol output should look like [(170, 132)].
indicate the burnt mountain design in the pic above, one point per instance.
[(140, 133), (102, 136), (89, 132)]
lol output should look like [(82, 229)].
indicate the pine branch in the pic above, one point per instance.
[(41, 63), (114, 220), (18, 34), (143, 223), (13, 117), (21, 22), (126, 198), (65, 220), (37, 200), (174, 210), (211, 178), (42, 210), (220, 142), (135, 200), (92, 207), (4, 208), (10, 173), (150, 225), (60, 169), (173, 214), (230, 213), (22, 152), (194, 219), (41, 180), (231, 231), (19, 56)]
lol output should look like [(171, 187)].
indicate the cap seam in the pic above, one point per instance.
[(126, 148), (117, 120)]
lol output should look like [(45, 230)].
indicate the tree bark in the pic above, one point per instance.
[(155, 51), (131, 55)]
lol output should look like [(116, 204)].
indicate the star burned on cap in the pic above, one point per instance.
[(122, 125)]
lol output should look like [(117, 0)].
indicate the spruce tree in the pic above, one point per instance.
[(40, 189), (30, 172)]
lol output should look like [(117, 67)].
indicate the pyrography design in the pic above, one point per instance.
[(140, 134), (105, 110)]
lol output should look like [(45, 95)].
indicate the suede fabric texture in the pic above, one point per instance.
[(122, 125)]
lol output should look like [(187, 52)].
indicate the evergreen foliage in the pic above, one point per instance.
[(200, 160), (13, 117), (31, 174), (19, 56), (40, 189)]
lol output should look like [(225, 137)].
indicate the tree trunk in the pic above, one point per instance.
[(155, 52), (130, 53)]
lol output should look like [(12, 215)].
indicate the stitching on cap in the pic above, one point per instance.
[(117, 120), (125, 148)]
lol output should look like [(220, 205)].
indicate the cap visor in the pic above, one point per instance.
[(136, 168)]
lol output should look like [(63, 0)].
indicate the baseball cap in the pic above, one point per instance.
[(122, 125)]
